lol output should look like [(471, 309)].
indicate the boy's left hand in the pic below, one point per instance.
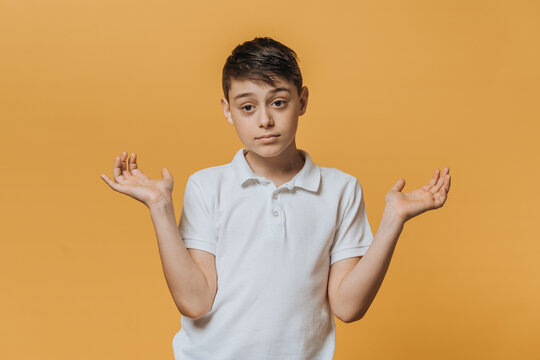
[(428, 197)]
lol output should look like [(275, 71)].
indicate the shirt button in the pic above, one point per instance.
[(276, 213)]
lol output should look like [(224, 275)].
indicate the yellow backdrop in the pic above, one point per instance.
[(397, 89)]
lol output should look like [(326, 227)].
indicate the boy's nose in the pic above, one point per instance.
[(265, 119)]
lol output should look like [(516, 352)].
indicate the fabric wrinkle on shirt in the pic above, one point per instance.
[(274, 247)]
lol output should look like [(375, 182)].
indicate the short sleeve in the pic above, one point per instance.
[(353, 235), (196, 224)]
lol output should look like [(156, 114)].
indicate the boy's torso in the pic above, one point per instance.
[(273, 246)]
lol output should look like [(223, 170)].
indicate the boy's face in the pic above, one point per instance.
[(259, 109)]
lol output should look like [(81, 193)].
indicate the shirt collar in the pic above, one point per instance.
[(308, 177)]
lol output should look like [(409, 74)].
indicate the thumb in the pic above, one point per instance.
[(399, 185), (166, 174)]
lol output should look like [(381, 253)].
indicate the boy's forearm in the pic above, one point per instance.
[(359, 287), (187, 283)]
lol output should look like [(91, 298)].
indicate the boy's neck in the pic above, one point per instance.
[(279, 168)]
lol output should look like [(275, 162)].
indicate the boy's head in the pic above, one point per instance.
[(263, 94), (261, 60)]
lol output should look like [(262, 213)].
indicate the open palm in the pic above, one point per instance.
[(130, 180), (430, 196)]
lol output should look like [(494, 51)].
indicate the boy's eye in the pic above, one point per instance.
[(278, 102), (245, 107)]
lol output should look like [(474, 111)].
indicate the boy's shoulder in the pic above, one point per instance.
[(210, 176), (342, 184), (337, 175)]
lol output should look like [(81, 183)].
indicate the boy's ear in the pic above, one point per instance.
[(226, 110), (304, 94)]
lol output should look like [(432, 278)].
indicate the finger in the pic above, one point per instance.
[(111, 183), (447, 183), (166, 174), (128, 168), (117, 170), (125, 170), (432, 182), (399, 185), (441, 196), (437, 187), (133, 162)]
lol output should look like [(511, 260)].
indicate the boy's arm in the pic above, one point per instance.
[(351, 291), (189, 286), (355, 281)]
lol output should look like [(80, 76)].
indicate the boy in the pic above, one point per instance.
[(270, 246)]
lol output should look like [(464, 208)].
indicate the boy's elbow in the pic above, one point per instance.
[(351, 319), (344, 319), (202, 313), (199, 312), (192, 315), (348, 317)]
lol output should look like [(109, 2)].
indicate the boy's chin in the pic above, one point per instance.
[(268, 150)]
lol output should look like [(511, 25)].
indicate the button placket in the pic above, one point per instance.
[(276, 210)]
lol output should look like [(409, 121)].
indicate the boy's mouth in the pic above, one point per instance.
[(267, 136)]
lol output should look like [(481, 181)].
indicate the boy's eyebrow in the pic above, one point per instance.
[(275, 90)]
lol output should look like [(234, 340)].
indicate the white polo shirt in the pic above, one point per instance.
[(273, 247)]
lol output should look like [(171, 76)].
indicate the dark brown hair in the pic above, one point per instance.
[(261, 60)]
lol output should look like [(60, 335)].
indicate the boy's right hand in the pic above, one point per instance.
[(133, 182)]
